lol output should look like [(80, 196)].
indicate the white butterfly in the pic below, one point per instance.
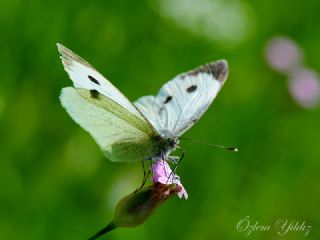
[(148, 129)]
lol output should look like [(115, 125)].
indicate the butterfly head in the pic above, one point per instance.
[(167, 143), (172, 143)]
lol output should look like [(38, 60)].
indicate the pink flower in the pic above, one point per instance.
[(304, 86), (162, 173), (283, 54)]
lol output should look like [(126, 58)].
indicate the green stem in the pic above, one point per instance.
[(106, 229)]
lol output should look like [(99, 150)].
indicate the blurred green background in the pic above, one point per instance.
[(54, 181)]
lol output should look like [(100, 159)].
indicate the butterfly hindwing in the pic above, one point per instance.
[(183, 100), (122, 136)]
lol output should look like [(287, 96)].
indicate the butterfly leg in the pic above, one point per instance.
[(145, 177), (176, 160)]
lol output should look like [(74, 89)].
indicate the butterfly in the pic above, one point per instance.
[(150, 127)]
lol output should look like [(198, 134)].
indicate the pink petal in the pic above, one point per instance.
[(162, 173), (182, 193)]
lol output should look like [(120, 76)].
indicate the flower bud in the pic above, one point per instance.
[(135, 208)]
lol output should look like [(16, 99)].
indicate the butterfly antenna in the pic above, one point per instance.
[(232, 149)]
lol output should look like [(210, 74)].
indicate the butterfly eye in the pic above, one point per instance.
[(172, 142)]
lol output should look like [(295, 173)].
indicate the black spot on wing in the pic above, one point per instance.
[(94, 94), (192, 88), (168, 99), (92, 79)]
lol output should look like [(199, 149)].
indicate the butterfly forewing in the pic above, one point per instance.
[(85, 76), (183, 100)]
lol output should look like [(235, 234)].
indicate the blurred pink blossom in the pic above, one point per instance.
[(283, 54), (304, 87), (162, 173)]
